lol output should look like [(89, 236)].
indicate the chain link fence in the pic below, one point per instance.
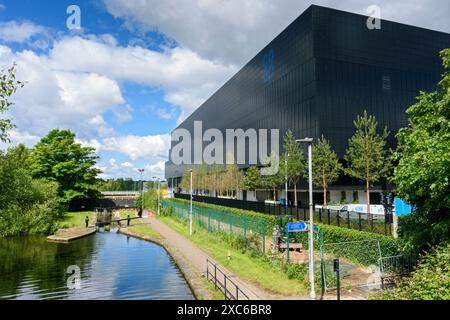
[(220, 221)]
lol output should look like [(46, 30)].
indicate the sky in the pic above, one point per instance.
[(135, 69)]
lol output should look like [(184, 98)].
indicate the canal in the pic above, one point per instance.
[(111, 265)]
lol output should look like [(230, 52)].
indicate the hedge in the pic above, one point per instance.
[(333, 234), (270, 220)]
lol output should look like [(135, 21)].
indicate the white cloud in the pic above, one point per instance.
[(156, 169), (54, 98), (233, 31), (187, 79), (13, 31), (136, 147), (127, 165)]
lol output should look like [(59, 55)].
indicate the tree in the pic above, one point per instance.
[(56, 157), (27, 205), (296, 162), (8, 86), (422, 176), (366, 155), (252, 180), (326, 166), (274, 180)]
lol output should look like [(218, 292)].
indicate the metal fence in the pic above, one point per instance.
[(376, 223), (222, 221), (222, 282), (395, 267)]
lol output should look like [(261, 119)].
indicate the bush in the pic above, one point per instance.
[(430, 281), (27, 205), (298, 271), (332, 234), (269, 220)]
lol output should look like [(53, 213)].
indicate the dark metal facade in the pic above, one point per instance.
[(320, 73)]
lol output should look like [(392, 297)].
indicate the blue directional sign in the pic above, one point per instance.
[(297, 226)]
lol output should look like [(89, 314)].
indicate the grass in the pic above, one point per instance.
[(124, 213), (74, 219), (256, 269), (145, 230)]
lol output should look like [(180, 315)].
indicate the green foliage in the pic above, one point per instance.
[(326, 166), (8, 86), (422, 176), (57, 157), (332, 234), (269, 220), (150, 198), (366, 155), (273, 179), (27, 205), (298, 271), (296, 162), (252, 180), (430, 281)]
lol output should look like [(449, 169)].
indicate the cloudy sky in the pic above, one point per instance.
[(136, 68)]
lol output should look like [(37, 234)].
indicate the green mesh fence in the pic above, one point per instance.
[(221, 221)]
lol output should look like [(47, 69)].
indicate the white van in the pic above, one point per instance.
[(374, 208)]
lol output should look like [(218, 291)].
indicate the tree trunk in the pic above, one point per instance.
[(295, 194), (368, 200), (274, 194), (324, 190)]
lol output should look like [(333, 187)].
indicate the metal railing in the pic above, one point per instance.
[(395, 267), (222, 282), (376, 223)]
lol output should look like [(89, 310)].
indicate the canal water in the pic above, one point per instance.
[(111, 265)]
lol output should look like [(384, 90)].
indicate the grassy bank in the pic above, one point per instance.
[(145, 230), (245, 264), (74, 219)]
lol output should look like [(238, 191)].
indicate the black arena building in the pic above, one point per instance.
[(322, 71)]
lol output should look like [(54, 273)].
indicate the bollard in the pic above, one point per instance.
[(338, 284), (128, 221), (86, 220)]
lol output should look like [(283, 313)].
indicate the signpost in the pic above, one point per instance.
[(297, 226), (294, 227)]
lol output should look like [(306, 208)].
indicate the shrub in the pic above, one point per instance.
[(269, 220), (333, 234), (298, 271), (430, 281), (27, 205)]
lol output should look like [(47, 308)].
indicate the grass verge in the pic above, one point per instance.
[(146, 230), (73, 219), (264, 272)]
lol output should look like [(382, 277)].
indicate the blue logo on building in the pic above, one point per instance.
[(269, 65)]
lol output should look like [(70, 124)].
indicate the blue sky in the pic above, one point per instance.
[(137, 68)]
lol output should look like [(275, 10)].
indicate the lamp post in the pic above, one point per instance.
[(286, 180), (173, 190), (158, 190), (312, 293), (141, 171), (190, 212)]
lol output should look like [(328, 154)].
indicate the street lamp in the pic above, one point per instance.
[(190, 212), (141, 171), (158, 190), (286, 179), (311, 219)]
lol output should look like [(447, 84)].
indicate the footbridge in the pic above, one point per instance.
[(120, 199)]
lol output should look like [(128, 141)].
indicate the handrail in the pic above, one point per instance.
[(224, 287)]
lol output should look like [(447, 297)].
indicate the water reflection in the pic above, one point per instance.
[(112, 267)]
